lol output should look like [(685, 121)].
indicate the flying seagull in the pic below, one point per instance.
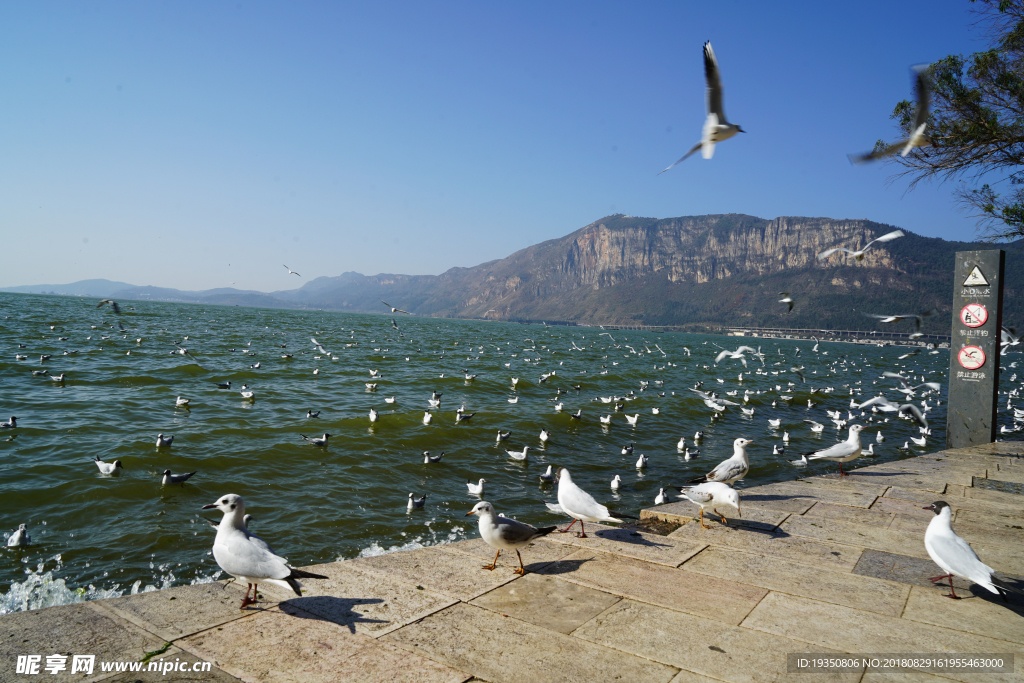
[(393, 309), (859, 254), (113, 305), (917, 137), (716, 127), (786, 299), (291, 272)]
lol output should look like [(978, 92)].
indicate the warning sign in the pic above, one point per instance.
[(974, 315), (976, 279), (971, 357)]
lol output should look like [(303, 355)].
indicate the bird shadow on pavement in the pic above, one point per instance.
[(627, 536), (329, 608), (562, 566)]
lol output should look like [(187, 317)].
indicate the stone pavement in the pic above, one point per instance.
[(817, 565)]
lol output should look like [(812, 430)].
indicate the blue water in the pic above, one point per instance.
[(96, 535)]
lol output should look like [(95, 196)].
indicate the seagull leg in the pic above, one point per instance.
[(939, 578), (953, 595), (562, 531), (702, 519), (493, 564), (522, 570), (583, 532), (246, 601)]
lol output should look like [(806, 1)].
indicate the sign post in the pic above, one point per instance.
[(974, 348)]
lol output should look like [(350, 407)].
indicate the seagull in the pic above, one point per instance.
[(476, 489), (955, 555), (519, 455), (310, 414), (816, 426), (59, 378), (616, 482), (920, 442), (712, 494), (786, 299), (248, 557), (110, 468), (578, 415), (415, 503), (427, 417), (732, 469), (182, 402), (579, 504), (505, 534), (291, 272), (19, 537), (374, 415), (641, 462), (393, 309), (682, 443), (632, 419), (548, 477), (544, 435), (605, 419), (462, 417), (502, 436), (113, 305), (859, 254), (316, 440), (628, 450), (169, 478), (844, 451), (716, 127), (917, 138), (10, 424), (162, 440), (250, 395), (428, 458), (661, 498), (223, 385), (888, 406)]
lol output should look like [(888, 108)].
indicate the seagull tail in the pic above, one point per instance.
[(699, 480), (1002, 585), (544, 531), (620, 514)]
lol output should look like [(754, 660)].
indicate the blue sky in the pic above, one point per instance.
[(196, 145)]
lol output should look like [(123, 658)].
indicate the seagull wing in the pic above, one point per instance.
[(916, 412), (723, 354), (241, 554), (730, 469), (828, 252), (684, 158), (840, 450), (921, 90), (886, 151), (695, 495), (512, 531), (884, 238), (714, 90), (959, 556)]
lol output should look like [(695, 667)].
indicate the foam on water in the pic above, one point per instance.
[(375, 549)]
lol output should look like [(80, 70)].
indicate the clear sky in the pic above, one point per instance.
[(199, 144)]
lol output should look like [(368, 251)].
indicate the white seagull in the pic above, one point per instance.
[(844, 451), (19, 537), (110, 468), (955, 555), (169, 478), (317, 440), (917, 138), (519, 455), (712, 495), (246, 556), (393, 309), (859, 254), (504, 533), (290, 271), (716, 126), (548, 477), (415, 503), (579, 504), (476, 489), (731, 470), (162, 441)]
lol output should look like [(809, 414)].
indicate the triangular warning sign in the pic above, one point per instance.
[(976, 279)]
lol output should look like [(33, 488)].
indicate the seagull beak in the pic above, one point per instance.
[(470, 513), (738, 511), (930, 507), (208, 507)]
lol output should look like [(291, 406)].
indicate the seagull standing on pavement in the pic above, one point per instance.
[(716, 126), (955, 555), (712, 495), (248, 557), (504, 533), (844, 451), (579, 504)]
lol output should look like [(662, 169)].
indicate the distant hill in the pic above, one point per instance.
[(689, 271), (98, 288)]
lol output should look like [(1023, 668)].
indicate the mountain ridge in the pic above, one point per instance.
[(719, 269)]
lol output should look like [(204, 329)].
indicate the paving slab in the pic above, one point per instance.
[(1010, 474), (994, 496), (935, 483), (818, 491), (776, 574), (659, 585), (685, 676), (702, 645), (183, 661), (979, 612), (956, 502), (76, 629), (851, 484), (683, 512), (906, 508), (776, 500), (449, 573), (273, 646), (851, 533), (631, 543), (778, 544), (504, 649), (870, 516), (548, 602), (181, 611), (913, 571), (868, 632), (538, 553), (996, 521), (364, 602)]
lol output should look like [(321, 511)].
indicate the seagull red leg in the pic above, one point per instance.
[(953, 595), (246, 601), (562, 531), (583, 532)]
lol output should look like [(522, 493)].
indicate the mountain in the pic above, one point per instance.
[(716, 270), (98, 288)]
